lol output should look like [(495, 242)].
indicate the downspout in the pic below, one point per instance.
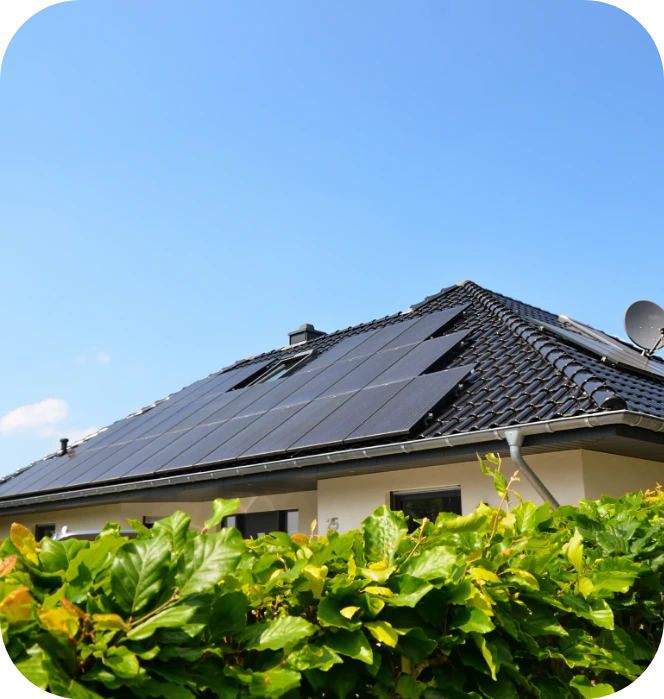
[(515, 440)]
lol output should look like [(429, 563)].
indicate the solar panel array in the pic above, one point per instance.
[(369, 385)]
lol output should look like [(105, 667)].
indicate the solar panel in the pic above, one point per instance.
[(282, 390), (425, 326), (417, 398), (352, 413), (297, 425), (623, 356), (338, 351), (242, 403), (419, 358), (198, 451), (254, 432), (367, 370)]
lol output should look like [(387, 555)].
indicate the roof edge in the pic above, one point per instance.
[(616, 417)]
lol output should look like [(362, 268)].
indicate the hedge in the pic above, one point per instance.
[(518, 601)]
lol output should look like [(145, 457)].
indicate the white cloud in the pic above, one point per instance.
[(40, 417), (94, 357)]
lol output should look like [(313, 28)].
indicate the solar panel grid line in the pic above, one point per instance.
[(337, 352), (130, 462), (320, 383), (381, 339), (420, 357), (410, 405), (426, 326), (367, 370), (254, 432), (241, 404), (63, 479), (345, 419), (205, 410), (208, 444), (89, 472), (290, 431), (170, 451)]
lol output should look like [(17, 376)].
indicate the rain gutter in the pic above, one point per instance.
[(401, 450)]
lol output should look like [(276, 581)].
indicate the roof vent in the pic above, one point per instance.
[(304, 333), (63, 446)]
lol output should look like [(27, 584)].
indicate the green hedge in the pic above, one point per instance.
[(501, 604)]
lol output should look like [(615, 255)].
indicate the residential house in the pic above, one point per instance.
[(388, 412)]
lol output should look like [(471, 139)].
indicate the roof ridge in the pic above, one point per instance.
[(604, 396)]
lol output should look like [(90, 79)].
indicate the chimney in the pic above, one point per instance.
[(304, 333), (63, 446)]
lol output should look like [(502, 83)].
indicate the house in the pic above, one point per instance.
[(392, 411)]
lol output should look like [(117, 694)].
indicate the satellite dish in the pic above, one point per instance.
[(644, 323)]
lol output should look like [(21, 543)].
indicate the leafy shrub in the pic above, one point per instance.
[(500, 604)]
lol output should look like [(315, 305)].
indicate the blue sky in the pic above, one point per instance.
[(182, 183)]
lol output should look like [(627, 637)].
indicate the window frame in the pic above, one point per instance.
[(397, 496), (47, 527), (287, 366)]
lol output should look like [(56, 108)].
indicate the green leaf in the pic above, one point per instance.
[(436, 563), (416, 645), (175, 529), (208, 559), (408, 591), (329, 614), (312, 656), (500, 483), (139, 572), (526, 517), (274, 683), (33, 668), (275, 635), (474, 522), (383, 532), (487, 653), (221, 508), (590, 691), (123, 663), (502, 689), (354, 644), (383, 632), (174, 617), (471, 620), (24, 542), (228, 615), (409, 688)]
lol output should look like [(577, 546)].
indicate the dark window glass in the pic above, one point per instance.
[(427, 504), (42, 530), (256, 524)]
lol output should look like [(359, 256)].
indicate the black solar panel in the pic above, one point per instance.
[(254, 432), (426, 326), (419, 396), (198, 451), (290, 431), (352, 413), (320, 383), (419, 357)]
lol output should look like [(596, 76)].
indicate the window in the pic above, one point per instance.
[(256, 524), (284, 368), (42, 530), (428, 503)]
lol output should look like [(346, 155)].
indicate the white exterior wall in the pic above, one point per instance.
[(609, 474), (353, 498)]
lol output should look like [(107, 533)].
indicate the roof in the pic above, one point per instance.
[(493, 362)]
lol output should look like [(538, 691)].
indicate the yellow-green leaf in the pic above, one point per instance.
[(383, 632), (349, 612), (575, 551), (17, 606), (110, 622), (60, 621), (377, 590), (484, 574), (25, 542)]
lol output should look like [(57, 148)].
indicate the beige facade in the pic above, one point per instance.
[(344, 502)]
